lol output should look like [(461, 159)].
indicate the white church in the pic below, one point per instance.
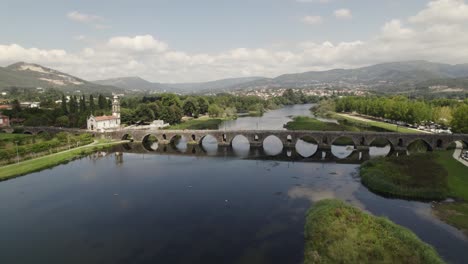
[(101, 123)]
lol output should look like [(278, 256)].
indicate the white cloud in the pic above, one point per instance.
[(343, 14), (442, 11), (153, 59), (312, 20), (83, 18), (137, 43)]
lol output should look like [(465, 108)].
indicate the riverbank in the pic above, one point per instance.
[(20, 147), (202, 123), (310, 123), (49, 161), (417, 176), (433, 176), (338, 233), (364, 122)]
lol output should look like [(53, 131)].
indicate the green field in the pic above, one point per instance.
[(29, 166), (457, 172), (417, 176), (455, 214), (310, 123), (198, 124), (338, 233), (377, 124), (13, 137), (423, 176)]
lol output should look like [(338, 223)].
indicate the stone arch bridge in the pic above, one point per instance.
[(399, 141), (324, 139)]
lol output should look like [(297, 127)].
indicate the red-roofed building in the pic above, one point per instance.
[(4, 121), (6, 107), (106, 122)]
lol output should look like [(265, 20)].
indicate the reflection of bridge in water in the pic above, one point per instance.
[(252, 153), (362, 141)]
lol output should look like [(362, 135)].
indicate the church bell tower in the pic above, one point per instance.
[(116, 106)]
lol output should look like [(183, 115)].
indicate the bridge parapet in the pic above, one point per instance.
[(399, 141)]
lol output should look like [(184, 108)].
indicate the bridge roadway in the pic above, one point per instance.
[(325, 139), (362, 140)]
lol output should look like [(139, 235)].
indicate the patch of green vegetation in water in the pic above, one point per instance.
[(198, 124), (455, 214), (338, 233), (417, 176), (310, 123)]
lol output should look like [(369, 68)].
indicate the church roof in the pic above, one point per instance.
[(105, 118)]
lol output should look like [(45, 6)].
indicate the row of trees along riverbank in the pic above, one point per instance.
[(448, 112), (74, 111)]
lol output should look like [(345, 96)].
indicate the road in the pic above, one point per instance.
[(457, 153)]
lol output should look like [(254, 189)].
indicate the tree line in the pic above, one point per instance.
[(448, 112), (73, 111)]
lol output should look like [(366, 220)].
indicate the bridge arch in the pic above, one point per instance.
[(240, 144), (150, 142), (273, 145), (180, 142), (209, 144), (380, 146), (344, 141), (306, 146), (418, 144), (127, 136)]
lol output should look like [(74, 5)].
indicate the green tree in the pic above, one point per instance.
[(62, 121), (92, 107), (190, 108), (73, 105), (202, 105), (64, 105), (102, 102), (82, 104), (460, 119), (144, 113), (16, 108), (215, 111)]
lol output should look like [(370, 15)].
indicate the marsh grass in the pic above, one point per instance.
[(198, 124), (417, 176), (338, 233), (46, 162)]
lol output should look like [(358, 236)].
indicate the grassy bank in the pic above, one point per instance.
[(310, 123), (198, 124), (457, 174), (423, 176), (455, 214), (38, 164), (417, 176), (32, 146), (339, 233), (371, 123)]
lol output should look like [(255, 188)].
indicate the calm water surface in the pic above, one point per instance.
[(225, 206)]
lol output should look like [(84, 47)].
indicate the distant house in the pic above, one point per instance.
[(6, 107), (30, 104), (99, 123), (4, 121)]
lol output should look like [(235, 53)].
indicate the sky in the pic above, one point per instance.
[(204, 40)]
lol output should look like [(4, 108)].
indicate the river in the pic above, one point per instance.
[(130, 205)]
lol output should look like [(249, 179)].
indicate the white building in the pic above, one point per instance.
[(100, 123)]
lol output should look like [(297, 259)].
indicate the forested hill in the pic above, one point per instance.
[(27, 75), (395, 76)]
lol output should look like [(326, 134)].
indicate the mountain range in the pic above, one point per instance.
[(28, 75), (396, 75)]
